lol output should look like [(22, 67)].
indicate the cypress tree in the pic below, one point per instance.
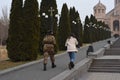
[(31, 30), (64, 27), (78, 29), (72, 19), (86, 36), (76, 26), (15, 27), (92, 31)]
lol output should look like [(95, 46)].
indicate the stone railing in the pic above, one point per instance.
[(96, 54)]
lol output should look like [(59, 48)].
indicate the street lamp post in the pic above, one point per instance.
[(51, 16), (51, 10), (78, 31), (90, 31)]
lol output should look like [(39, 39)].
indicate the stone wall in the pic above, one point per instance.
[(3, 53)]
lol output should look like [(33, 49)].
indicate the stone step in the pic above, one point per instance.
[(114, 49), (112, 52), (105, 65), (106, 60), (104, 70)]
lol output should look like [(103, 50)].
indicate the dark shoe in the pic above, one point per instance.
[(72, 64), (69, 65), (53, 65), (44, 69)]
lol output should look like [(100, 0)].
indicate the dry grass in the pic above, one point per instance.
[(9, 64), (4, 62)]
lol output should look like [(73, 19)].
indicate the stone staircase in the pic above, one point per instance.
[(112, 51), (105, 65), (108, 64)]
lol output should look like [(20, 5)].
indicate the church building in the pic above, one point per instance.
[(112, 18)]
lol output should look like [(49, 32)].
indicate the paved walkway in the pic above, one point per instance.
[(35, 71)]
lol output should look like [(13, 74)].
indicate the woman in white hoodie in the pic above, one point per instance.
[(71, 43)]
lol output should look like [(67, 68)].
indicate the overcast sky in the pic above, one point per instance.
[(84, 7)]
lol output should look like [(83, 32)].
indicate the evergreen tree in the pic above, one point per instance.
[(15, 27), (47, 20), (72, 19), (93, 19), (64, 27), (78, 30), (31, 30), (92, 28), (86, 36), (76, 25)]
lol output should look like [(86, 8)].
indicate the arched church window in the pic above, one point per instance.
[(102, 10), (98, 10), (116, 25)]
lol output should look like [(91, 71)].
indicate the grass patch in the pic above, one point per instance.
[(9, 64)]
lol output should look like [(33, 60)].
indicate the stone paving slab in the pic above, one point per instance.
[(109, 57), (100, 76)]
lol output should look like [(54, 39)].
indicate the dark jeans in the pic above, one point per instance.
[(72, 56)]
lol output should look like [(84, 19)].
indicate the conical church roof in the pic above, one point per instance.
[(99, 5)]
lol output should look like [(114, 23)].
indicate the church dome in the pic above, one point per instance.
[(99, 5)]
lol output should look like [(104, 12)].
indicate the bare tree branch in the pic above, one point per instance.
[(4, 25)]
